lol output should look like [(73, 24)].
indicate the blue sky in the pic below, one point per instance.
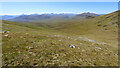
[(16, 8), (59, 0)]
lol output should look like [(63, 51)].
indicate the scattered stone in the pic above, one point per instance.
[(98, 47), (60, 40), (115, 25), (30, 47), (19, 52), (116, 54), (21, 36), (26, 33), (80, 37), (55, 57), (80, 43), (68, 37), (75, 39), (41, 57), (30, 52), (83, 50), (72, 46), (91, 40), (5, 35), (6, 31), (110, 23)]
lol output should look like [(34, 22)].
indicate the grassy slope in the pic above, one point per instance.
[(31, 45), (101, 28)]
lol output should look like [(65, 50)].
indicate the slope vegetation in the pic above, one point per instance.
[(38, 44), (102, 28)]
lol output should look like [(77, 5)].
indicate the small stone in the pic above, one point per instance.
[(72, 46), (6, 31), (5, 35), (98, 47), (26, 33), (83, 50)]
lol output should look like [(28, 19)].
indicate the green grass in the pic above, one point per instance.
[(49, 44)]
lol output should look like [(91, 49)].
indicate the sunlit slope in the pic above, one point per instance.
[(102, 28), (28, 44)]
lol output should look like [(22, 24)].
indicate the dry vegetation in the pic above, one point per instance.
[(95, 42)]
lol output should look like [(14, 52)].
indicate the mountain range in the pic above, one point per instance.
[(41, 17), (7, 17)]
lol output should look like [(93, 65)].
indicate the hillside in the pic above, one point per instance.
[(48, 43), (87, 14), (97, 28)]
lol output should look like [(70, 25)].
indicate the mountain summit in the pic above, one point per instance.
[(87, 14)]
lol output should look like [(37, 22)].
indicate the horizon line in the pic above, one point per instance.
[(52, 13)]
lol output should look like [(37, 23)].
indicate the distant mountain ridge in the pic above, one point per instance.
[(41, 17), (88, 14), (6, 17), (37, 17)]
